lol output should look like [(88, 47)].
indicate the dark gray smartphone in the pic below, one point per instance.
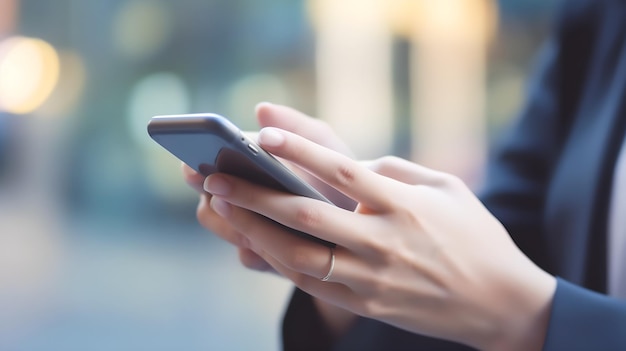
[(210, 143)]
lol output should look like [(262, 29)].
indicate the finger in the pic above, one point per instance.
[(294, 252), (287, 118), (337, 170), (316, 130), (252, 260), (335, 293), (318, 218), (193, 178), (405, 171), (217, 225)]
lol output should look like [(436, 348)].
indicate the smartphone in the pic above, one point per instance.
[(210, 143)]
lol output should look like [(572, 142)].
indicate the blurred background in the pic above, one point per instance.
[(99, 245)]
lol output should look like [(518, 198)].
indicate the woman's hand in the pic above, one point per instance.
[(298, 123), (419, 252), (337, 320)]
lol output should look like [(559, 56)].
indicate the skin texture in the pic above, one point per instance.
[(419, 251)]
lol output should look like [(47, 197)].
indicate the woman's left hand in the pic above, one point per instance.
[(419, 252)]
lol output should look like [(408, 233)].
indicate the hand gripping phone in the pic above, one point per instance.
[(210, 143)]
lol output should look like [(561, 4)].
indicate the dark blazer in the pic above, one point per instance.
[(549, 183)]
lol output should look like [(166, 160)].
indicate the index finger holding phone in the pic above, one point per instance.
[(210, 143)]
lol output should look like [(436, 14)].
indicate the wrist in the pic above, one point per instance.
[(523, 314)]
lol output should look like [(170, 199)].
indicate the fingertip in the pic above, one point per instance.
[(192, 178), (275, 115), (271, 137), (187, 171), (263, 111)]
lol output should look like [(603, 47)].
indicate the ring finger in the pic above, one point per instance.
[(335, 293), (296, 253)]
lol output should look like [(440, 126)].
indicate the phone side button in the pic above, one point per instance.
[(253, 149)]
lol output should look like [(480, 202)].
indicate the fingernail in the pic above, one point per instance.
[(216, 185), (270, 137), (220, 207)]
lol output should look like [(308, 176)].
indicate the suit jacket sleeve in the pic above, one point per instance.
[(519, 174), (585, 320)]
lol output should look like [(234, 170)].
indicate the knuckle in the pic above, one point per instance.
[(344, 175), (387, 162), (409, 217), (378, 165), (452, 179), (448, 180), (374, 247), (308, 217)]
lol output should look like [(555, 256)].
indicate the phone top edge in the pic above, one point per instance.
[(191, 124), (193, 115)]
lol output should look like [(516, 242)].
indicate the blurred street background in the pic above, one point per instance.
[(99, 245)]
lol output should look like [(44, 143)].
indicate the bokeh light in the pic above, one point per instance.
[(66, 97), (248, 91), (29, 71), (466, 21), (160, 93), (141, 28)]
